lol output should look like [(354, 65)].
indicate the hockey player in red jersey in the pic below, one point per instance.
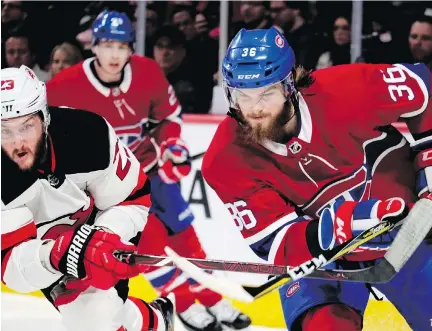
[(307, 161), (131, 92), (72, 194)]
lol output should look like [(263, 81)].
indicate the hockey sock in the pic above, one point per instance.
[(205, 296), (332, 317), (151, 318)]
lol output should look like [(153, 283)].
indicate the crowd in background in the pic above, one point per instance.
[(183, 36)]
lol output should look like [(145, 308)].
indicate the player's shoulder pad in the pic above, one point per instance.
[(66, 75), (421, 73), (338, 74), (81, 140), (143, 63), (222, 152)]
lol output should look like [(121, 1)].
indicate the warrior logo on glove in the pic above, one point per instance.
[(88, 254), (73, 256)]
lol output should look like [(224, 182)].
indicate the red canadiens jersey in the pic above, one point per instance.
[(346, 149), (142, 107)]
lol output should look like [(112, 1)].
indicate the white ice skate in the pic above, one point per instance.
[(229, 316), (197, 318)]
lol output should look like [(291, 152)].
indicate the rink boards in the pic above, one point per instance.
[(221, 240)]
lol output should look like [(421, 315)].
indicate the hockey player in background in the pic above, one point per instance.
[(131, 92), (72, 194), (307, 161)]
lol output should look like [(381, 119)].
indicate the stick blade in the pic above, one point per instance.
[(221, 285), (414, 230)]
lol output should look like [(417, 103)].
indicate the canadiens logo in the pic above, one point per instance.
[(279, 41), (132, 135), (293, 289)]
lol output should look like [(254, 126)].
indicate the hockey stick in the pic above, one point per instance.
[(227, 287), (196, 156), (192, 158), (259, 268), (415, 228), (223, 265)]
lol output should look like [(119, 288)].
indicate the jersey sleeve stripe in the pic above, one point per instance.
[(274, 248), (422, 85), (10, 239), (289, 218)]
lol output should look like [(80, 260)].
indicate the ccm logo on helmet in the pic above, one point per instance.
[(248, 76), (7, 84)]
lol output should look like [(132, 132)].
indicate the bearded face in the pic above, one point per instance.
[(23, 140), (264, 113)]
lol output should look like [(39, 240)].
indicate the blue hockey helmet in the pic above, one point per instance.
[(258, 58), (113, 25), (263, 56)]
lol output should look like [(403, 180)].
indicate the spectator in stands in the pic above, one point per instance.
[(84, 37), (200, 47), (63, 56), (207, 19), (193, 88), (183, 16), (289, 16), (12, 17), (19, 50), (339, 52), (254, 15), (420, 40), (378, 42), (153, 23)]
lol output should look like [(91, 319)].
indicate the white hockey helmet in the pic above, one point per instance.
[(22, 93)]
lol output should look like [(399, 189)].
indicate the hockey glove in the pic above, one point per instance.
[(347, 219), (87, 254), (173, 163)]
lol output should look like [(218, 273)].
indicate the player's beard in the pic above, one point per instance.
[(39, 155), (41, 151), (274, 131)]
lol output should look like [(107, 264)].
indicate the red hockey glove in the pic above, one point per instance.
[(347, 219), (87, 254), (68, 290), (173, 164)]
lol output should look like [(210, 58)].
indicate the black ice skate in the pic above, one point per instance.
[(166, 306), (197, 318), (229, 316)]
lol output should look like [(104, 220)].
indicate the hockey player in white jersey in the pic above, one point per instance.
[(72, 195)]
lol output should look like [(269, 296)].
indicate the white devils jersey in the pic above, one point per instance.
[(88, 176)]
